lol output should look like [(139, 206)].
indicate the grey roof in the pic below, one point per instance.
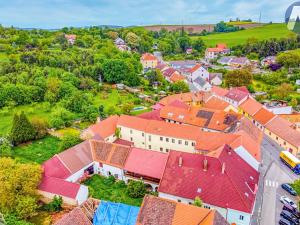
[(200, 81), (225, 59), (213, 75), (239, 60)]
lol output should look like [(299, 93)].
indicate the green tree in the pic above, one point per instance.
[(18, 189), (283, 90), (127, 108), (115, 70), (22, 130), (184, 43), (55, 205), (68, 141), (238, 78), (132, 40), (40, 127), (180, 86), (136, 189), (198, 202), (198, 44), (289, 59), (5, 147)]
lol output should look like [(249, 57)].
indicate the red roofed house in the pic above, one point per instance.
[(227, 183), (71, 38), (146, 165), (197, 71), (149, 61), (213, 53), (236, 96)]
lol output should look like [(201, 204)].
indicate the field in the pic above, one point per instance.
[(240, 37), (104, 189)]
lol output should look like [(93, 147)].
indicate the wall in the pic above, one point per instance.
[(107, 170), (75, 176), (238, 217), (48, 197), (248, 158), (82, 194)]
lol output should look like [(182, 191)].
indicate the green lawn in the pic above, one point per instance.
[(38, 151), (240, 37), (3, 57), (102, 188)]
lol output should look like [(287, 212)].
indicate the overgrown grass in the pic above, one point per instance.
[(102, 188), (240, 37), (38, 151)]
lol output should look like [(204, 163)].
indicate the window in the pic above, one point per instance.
[(284, 143), (161, 149), (241, 217), (178, 200), (167, 150), (149, 138), (131, 139), (269, 133), (173, 140), (131, 131), (276, 138), (186, 142), (167, 139), (143, 134), (206, 206), (179, 142), (193, 144), (161, 138), (149, 146)]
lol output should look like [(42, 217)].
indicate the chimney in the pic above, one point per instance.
[(205, 165), (223, 168), (180, 162)]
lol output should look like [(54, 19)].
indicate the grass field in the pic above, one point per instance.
[(38, 151), (240, 37), (104, 189)]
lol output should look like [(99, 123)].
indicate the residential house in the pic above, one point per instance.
[(215, 79), (262, 117), (160, 211), (249, 107), (201, 84), (197, 71), (213, 53), (175, 77), (278, 107), (121, 44), (71, 38), (181, 65), (149, 61), (189, 98), (226, 183), (236, 96), (217, 104), (235, 62)]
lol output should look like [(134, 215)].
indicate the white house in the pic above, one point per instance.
[(201, 84)]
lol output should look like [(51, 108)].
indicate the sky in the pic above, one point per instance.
[(78, 13)]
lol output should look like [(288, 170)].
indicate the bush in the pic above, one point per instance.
[(55, 205), (69, 141), (11, 219), (5, 147), (40, 126), (110, 180), (136, 189)]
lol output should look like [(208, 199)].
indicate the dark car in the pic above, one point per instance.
[(289, 216), (289, 189), (292, 210), (285, 222)]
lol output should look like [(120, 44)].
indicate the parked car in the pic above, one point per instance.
[(291, 210), (286, 200), (289, 189), (289, 216), (283, 221)]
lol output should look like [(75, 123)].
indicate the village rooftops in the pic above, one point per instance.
[(104, 128), (263, 116), (188, 97), (148, 57), (146, 163), (251, 106), (216, 103), (226, 182), (221, 92), (236, 94), (75, 217), (159, 211)]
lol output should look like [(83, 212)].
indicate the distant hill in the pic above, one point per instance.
[(263, 32)]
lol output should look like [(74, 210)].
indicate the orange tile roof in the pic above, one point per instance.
[(293, 118), (177, 77), (283, 129), (133, 122), (221, 46), (263, 116), (148, 57), (251, 106), (219, 91), (250, 128), (105, 128), (195, 68), (159, 211), (185, 97), (214, 49), (216, 103)]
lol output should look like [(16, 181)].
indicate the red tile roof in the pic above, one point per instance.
[(216, 103), (251, 106), (75, 217), (221, 46), (234, 189), (179, 104), (214, 49), (195, 68), (153, 115), (282, 128), (146, 162), (219, 91), (185, 97), (177, 77), (59, 187), (236, 94), (148, 57), (123, 142), (54, 167), (263, 116), (210, 141), (106, 127), (169, 72)]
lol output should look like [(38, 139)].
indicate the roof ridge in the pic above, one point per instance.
[(65, 165)]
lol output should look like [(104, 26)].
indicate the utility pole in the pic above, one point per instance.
[(259, 17)]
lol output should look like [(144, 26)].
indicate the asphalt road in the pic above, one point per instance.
[(273, 174)]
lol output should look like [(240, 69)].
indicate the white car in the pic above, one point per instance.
[(286, 200)]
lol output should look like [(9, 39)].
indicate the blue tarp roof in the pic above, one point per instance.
[(110, 213)]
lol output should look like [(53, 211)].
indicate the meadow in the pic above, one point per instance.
[(240, 37)]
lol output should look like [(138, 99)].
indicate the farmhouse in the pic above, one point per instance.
[(213, 53), (149, 61)]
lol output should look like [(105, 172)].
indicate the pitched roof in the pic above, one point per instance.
[(283, 129), (177, 77), (214, 75), (123, 142), (54, 167), (159, 211), (234, 189), (221, 46), (146, 162), (105, 128), (251, 106), (195, 68), (59, 187), (185, 97), (214, 49), (250, 128), (216, 103), (179, 104), (153, 115), (263, 116), (236, 94), (169, 72), (219, 91), (148, 57), (200, 81), (110, 153), (77, 157), (75, 217), (210, 141)]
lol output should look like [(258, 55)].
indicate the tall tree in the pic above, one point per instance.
[(22, 130), (237, 78)]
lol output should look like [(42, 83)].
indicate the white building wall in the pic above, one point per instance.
[(281, 110), (135, 136), (108, 170), (238, 217), (201, 72), (247, 157), (216, 81), (75, 176), (82, 194), (111, 138)]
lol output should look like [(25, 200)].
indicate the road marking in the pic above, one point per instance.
[(271, 183)]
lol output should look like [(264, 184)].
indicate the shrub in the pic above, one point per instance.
[(69, 141), (22, 130), (110, 180), (40, 126), (136, 189), (55, 205)]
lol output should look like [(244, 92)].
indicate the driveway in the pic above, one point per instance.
[(273, 174)]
